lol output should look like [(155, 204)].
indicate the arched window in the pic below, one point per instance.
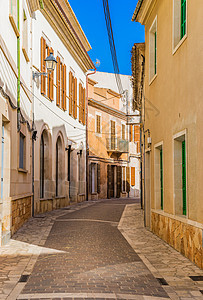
[(44, 164), (42, 167), (59, 167)]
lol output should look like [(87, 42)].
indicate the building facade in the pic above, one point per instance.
[(15, 118), (42, 117), (173, 122), (60, 107), (113, 156)]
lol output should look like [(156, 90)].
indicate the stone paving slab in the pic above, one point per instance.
[(156, 257)]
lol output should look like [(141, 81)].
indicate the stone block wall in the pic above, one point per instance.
[(20, 212), (185, 238)]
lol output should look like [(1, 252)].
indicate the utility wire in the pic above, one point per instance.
[(112, 45)]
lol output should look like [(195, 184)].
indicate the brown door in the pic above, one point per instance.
[(118, 181)]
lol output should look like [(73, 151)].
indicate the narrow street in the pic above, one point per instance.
[(94, 250)]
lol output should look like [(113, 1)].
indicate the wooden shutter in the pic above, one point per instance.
[(90, 178), (43, 65), (118, 181), (133, 176), (184, 178), (51, 81), (84, 106), (108, 181), (80, 104), (98, 179), (127, 179), (75, 98), (64, 87), (124, 181), (161, 177), (58, 79), (131, 133), (48, 77), (113, 135), (70, 93), (123, 132)]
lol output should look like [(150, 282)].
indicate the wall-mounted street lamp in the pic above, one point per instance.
[(50, 66)]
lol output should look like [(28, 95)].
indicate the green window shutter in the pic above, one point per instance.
[(161, 177), (183, 19), (155, 51), (184, 178)]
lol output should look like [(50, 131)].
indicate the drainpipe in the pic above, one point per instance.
[(18, 66), (87, 146)]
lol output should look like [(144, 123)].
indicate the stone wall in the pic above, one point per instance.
[(45, 205), (20, 212), (185, 238)]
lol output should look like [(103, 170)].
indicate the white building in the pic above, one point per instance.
[(50, 109), (59, 106)]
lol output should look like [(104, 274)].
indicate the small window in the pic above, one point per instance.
[(153, 50), (98, 124), (179, 21), (73, 95), (22, 152), (130, 133), (61, 84)]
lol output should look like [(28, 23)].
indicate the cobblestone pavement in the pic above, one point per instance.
[(94, 250)]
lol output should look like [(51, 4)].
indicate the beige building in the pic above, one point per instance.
[(172, 149)]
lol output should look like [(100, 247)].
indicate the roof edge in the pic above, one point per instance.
[(137, 10)]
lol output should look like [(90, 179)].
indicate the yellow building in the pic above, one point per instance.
[(173, 122), (111, 173)]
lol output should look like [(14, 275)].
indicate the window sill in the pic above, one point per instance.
[(13, 23), (22, 170), (179, 44), (45, 96), (95, 193), (25, 54), (153, 78)]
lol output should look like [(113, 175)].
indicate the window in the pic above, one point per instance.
[(98, 124), (25, 36), (132, 176), (82, 104), (60, 84), (180, 175), (153, 50), (72, 95), (130, 133), (113, 135), (123, 132), (13, 16), (47, 83), (179, 21), (22, 151), (158, 176)]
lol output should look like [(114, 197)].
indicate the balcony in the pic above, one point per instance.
[(117, 145)]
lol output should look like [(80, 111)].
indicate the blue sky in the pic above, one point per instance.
[(90, 14)]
